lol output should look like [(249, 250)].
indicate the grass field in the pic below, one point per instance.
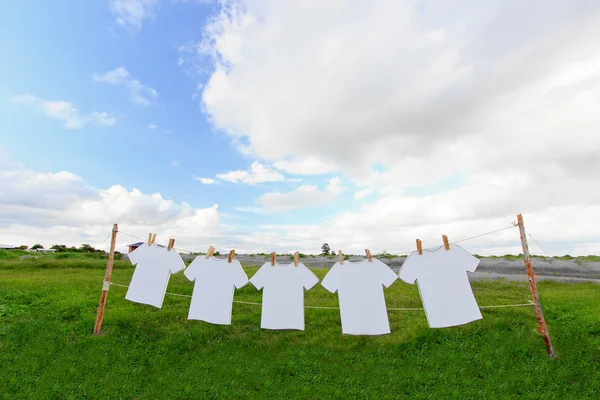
[(48, 307)]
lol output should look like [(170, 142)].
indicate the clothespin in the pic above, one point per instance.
[(153, 238), (273, 258), (368, 252), (341, 256), (149, 238), (171, 244), (296, 258), (445, 240), (419, 246), (231, 254), (210, 252)]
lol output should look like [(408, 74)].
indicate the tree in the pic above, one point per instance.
[(325, 249), (37, 246), (332, 253), (86, 248), (59, 248)]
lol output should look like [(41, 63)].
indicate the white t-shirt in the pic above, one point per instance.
[(154, 266), (444, 285), (283, 294), (215, 281), (360, 291)]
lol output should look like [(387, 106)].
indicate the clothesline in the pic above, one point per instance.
[(530, 303), (433, 248)]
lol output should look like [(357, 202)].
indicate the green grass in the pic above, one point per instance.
[(48, 307)]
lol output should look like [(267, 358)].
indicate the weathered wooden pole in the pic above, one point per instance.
[(106, 282), (542, 327)]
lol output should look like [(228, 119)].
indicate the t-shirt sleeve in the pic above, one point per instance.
[(240, 279), (260, 277), (409, 269), (176, 264), (191, 272), (331, 280), (308, 278), (388, 276), (466, 259), (136, 255)]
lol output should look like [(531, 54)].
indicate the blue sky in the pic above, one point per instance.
[(366, 128), (58, 60)]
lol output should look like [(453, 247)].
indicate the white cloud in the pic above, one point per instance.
[(335, 186), (138, 92), (175, 164), (258, 173), (64, 111), (132, 13), (152, 127), (306, 196), (206, 181), (306, 166), (399, 96), (180, 61), (60, 208), (446, 79), (361, 194)]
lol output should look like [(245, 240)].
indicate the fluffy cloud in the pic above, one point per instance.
[(306, 196), (306, 166), (258, 173), (335, 186), (362, 193), (64, 111), (132, 13), (60, 208), (206, 181), (413, 82), (138, 92), (402, 96), (152, 127)]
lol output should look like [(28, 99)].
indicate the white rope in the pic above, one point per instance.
[(531, 303), (538, 245)]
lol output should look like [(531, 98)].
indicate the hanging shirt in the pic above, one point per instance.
[(283, 294), (154, 266), (444, 285), (215, 281), (360, 291)]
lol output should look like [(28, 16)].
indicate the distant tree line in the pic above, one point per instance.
[(61, 248), (84, 248)]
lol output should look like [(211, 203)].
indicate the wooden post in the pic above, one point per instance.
[(106, 283), (542, 327)]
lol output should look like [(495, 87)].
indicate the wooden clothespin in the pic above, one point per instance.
[(171, 244), (231, 254), (149, 238), (210, 252), (368, 252), (273, 258), (445, 240), (341, 256), (296, 259), (419, 247), (153, 238)]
